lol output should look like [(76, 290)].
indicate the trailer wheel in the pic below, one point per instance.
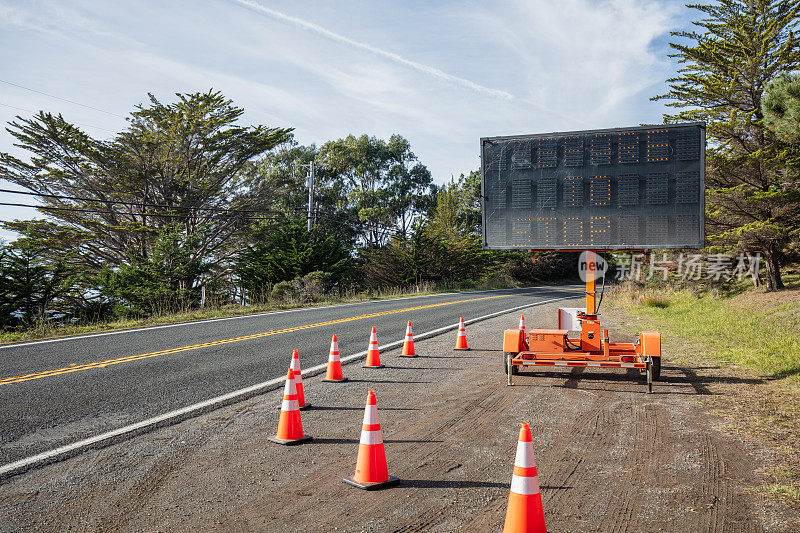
[(514, 369), (655, 368)]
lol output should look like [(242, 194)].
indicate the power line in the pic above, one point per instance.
[(281, 216), (32, 111), (167, 215), (331, 217), (138, 204), (60, 98)]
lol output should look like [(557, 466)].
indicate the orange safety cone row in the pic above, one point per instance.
[(371, 469), (522, 323), (524, 512), (408, 344), (373, 357), (298, 379), (461, 339), (334, 372), (290, 427)]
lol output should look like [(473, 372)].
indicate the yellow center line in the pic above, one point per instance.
[(129, 358)]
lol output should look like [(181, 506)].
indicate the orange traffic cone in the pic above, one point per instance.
[(522, 323), (408, 345), (461, 340), (524, 512), (298, 379), (334, 372), (290, 428), (373, 357), (371, 469)]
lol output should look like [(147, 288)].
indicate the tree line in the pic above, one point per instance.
[(186, 207)]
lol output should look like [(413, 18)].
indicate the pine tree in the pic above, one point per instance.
[(725, 65)]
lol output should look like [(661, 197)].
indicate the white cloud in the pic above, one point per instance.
[(319, 30), (583, 59)]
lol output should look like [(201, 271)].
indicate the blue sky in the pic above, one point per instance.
[(442, 74)]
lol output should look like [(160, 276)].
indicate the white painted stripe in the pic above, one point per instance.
[(195, 409), (525, 486), (290, 405), (524, 456), (371, 437), (592, 364), (371, 414)]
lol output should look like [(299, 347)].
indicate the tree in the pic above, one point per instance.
[(384, 183), (161, 282), (781, 108), (30, 284), (286, 251), (184, 164), (724, 67)]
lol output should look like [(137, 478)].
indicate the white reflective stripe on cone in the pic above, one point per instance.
[(371, 437), (334, 357), (524, 456), (290, 405), (525, 486), (371, 414), (290, 389)]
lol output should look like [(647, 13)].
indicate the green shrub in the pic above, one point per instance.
[(284, 292)]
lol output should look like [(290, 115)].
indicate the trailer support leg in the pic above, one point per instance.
[(508, 368), (649, 375)]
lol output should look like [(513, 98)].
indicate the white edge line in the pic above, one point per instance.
[(172, 417), (255, 315)]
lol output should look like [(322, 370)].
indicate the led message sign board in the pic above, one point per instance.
[(615, 189)]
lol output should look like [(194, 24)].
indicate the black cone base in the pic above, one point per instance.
[(372, 486), (373, 366), (285, 442), (334, 380)]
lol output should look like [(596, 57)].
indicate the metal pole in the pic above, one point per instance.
[(310, 194), (591, 305)]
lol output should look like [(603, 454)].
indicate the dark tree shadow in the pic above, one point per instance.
[(462, 484), (385, 380), (344, 408)]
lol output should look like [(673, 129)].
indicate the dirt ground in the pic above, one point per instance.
[(610, 456)]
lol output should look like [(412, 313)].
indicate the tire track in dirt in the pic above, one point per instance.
[(144, 490)]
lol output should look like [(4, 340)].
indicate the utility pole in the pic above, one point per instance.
[(310, 185)]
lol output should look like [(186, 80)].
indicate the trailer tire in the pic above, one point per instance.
[(655, 368), (514, 369)]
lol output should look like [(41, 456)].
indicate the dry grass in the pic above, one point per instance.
[(750, 339)]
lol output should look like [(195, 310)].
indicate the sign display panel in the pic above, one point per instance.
[(627, 188)]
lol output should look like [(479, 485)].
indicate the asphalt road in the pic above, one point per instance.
[(55, 393)]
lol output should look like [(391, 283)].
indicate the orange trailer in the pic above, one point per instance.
[(592, 348)]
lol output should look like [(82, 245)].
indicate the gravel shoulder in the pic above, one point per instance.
[(610, 456)]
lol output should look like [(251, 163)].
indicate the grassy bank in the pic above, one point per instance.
[(754, 329), (745, 349)]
